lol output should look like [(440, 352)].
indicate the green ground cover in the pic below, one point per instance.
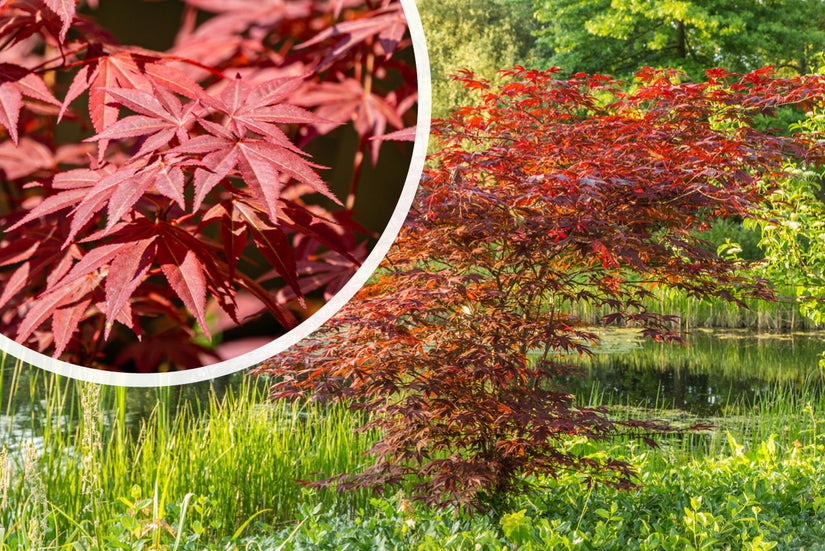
[(765, 498)]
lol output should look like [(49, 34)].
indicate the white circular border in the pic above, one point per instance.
[(422, 65)]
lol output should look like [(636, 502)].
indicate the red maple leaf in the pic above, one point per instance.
[(389, 24), (161, 116), (65, 10), (16, 82), (259, 162), (20, 19), (104, 73), (258, 108)]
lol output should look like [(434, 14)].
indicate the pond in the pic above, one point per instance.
[(717, 368)]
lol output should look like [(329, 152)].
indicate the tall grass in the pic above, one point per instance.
[(778, 315), (239, 456)]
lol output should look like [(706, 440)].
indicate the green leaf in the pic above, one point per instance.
[(518, 527)]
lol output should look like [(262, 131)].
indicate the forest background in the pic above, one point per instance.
[(616, 38)]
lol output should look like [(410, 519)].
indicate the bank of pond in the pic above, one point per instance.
[(216, 466)]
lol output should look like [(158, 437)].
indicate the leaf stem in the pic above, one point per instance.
[(43, 69), (356, 173), (10, 39)]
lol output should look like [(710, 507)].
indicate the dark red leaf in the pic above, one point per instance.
[(65, 10), (127, 270), (184, 272), (66, 296), (389, 23), (11, 101)]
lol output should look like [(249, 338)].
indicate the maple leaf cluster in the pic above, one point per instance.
[(550, 193), (152, 201)]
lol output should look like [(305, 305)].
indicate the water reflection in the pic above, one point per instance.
[(715, 369)]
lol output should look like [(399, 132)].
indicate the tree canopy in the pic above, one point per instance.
[(481, 35), (620, 36)]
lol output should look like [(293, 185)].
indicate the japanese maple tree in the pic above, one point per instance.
[(549, 193), (152, 198)]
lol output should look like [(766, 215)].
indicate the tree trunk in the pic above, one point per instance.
[(681, 40)]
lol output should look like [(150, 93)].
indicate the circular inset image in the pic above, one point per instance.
[(191, 204)]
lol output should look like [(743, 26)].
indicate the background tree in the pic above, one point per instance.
[(547, 194), (620, 36), (480, 35), (792, 226)]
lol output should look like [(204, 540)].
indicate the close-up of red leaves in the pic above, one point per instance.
[(151, 200)]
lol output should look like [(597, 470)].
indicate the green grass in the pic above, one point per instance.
[(239, 456), (770, 497)]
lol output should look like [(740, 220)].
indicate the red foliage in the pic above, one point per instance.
[(192, 192), (549, 194)]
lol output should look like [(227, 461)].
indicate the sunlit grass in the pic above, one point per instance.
[(757, 314), (239, 456)]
